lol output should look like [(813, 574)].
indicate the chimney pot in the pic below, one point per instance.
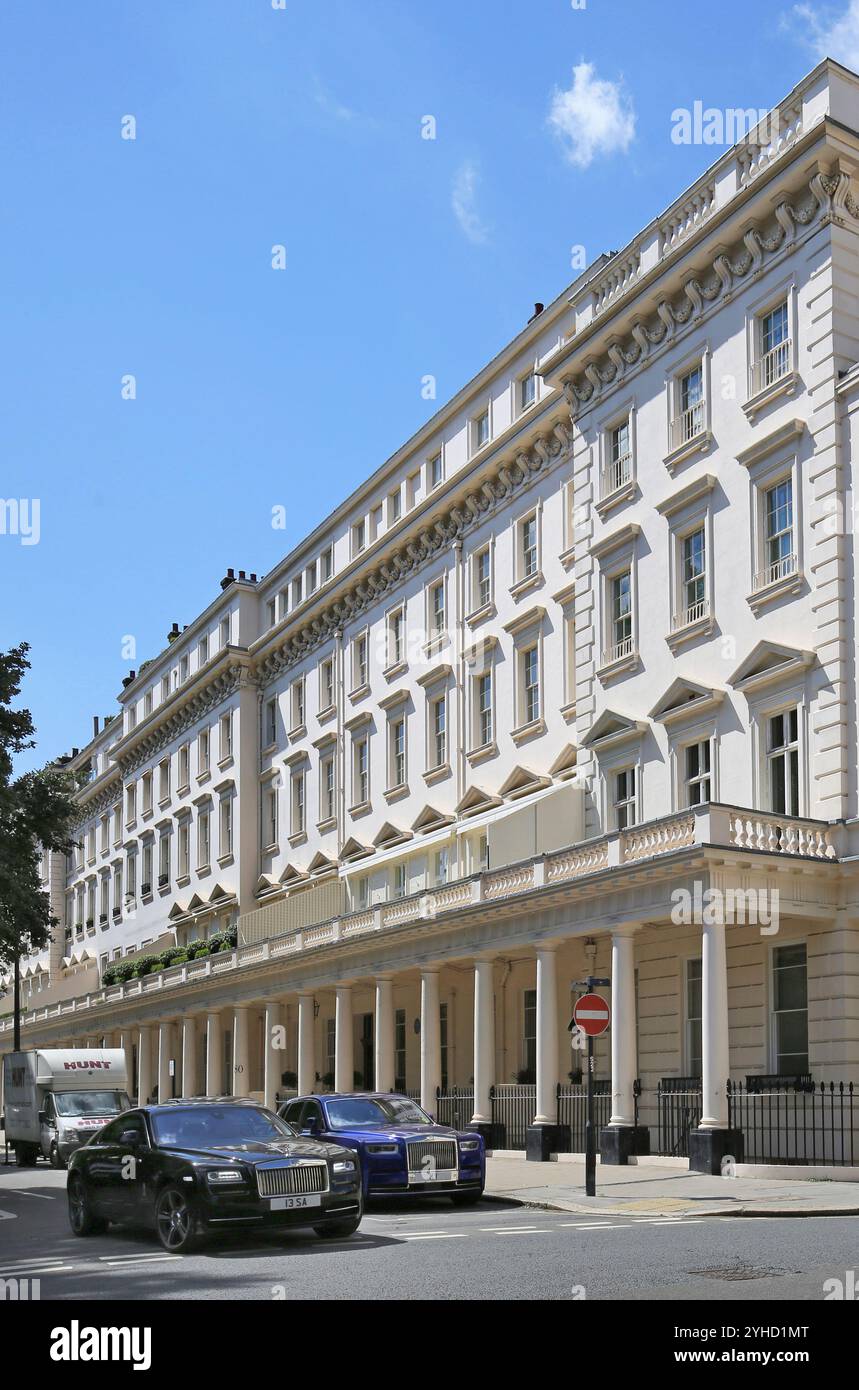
[(95, 724)]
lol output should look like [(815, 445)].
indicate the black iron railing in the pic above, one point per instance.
[(573, 1111), (513, 1107), (678, 1100), (797, 1122), (455, 1106)]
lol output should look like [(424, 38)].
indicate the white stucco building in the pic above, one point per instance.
[(587, 639)]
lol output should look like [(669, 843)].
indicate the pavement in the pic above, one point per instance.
[(663, 1189)]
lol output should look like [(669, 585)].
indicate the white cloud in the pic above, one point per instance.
[(830, 34), (328, 103), (463, 200), (592, 117)]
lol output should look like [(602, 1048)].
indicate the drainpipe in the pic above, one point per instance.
[(340, 688), (459, 670)]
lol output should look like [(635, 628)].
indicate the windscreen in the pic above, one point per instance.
[(90, 1102), (357, 1111), (218, 1126)]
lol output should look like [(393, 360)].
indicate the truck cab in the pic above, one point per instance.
[(56, 1099)]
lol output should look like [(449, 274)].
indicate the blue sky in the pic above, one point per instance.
[(297, 126)]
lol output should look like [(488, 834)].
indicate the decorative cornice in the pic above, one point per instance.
[(438, 534), (213, 694), (828, 195)]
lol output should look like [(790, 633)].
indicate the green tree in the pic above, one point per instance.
[(37, 810)]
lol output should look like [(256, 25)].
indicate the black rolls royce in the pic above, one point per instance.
[(192, 1167)]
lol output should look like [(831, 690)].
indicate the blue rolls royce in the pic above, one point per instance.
[(402, 1149)]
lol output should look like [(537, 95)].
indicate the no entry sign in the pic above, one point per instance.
[(592, 1014)]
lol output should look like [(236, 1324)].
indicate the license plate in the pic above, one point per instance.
[(434, 1175), (291, 1203)]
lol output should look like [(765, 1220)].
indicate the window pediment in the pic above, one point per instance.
[(685, 698), (431, 819), (521, 782), (293, 874), (476, 800), (321, 864), (353, 849), (565, 764), (611, 729), (767, 663), (391, 835)]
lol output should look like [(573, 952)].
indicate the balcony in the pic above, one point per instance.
[(689, 617), (689, 426), (621, 656), (776, 572), (303, 922), (616, 475), (773, 367), (772, 375)]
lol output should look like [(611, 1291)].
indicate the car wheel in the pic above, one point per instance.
[(55, 1158), (81, 1219), (466, 1199), (336, 1230), (175, 1222)]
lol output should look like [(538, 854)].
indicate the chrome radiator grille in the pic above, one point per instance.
[(442, 1152), (293, 1179)]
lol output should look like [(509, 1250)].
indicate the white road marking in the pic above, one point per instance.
[(25, 1192), (8, 1215), (127, 1261), (31, 1271), (448, 1235), (120, 1259)]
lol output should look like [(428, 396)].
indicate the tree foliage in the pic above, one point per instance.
[(37, 811)]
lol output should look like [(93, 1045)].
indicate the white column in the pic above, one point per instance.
[(214, 1056), (715, 1062), (385, 1064), (189, 1055), (622, 1026), (274, 1054), (165, 1046), (344, 1043), (144, 1065), (126, 1042), (306, 1048), (484, 1040), (430, 1041), (547, 1037), (241, 1053)]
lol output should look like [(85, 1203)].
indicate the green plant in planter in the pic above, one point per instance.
[(288, 1079)]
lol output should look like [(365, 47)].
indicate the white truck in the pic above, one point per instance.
[(55, 1099)]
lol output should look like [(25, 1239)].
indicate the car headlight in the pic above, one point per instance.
[(224, 1175), (343, 1165), (469, 1145), (382, 1149)]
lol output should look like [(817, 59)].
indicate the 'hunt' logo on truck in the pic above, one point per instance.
[(86, 1066)]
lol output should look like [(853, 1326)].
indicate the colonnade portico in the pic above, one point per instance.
[(275, 1040)]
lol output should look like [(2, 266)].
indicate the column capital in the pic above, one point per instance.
[(625, 930)]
